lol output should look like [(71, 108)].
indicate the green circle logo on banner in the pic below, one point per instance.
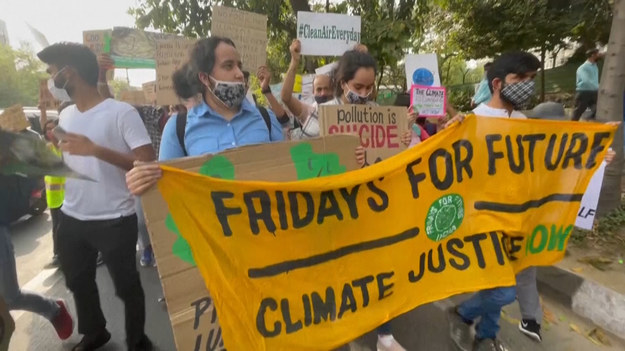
[(444, 217)]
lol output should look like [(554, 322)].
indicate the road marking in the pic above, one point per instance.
[(40, 284)]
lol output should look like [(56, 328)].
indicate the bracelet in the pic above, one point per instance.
[(267, 91)]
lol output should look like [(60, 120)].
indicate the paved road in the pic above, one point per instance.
[(422, 329)]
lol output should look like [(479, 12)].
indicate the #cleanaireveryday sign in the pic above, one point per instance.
[(327, 34)]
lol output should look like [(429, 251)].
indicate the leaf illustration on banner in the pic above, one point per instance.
[(310, 164), (217, 167)]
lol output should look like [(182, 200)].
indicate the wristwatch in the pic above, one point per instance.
[(266, 91)]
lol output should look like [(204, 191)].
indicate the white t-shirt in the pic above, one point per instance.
[(487, 111), (112, 124)]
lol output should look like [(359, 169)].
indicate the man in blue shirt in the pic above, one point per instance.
[(222, 120), (587, 85)]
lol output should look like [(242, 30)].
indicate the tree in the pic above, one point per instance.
[(21, 73), (388, 26), (491, 27), (610, 107)]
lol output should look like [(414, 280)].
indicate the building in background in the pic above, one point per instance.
[(4, 34)]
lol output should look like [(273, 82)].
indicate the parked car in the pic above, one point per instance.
[(34, 115)]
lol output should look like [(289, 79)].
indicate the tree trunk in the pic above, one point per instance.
[(610, 107), (543, 53)]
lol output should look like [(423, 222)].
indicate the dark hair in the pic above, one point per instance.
[(76, 56), (246, 75), (517, 62), (487, 65), (54, 122), (591, 52), (186, 83), (349, 63), (202, 58)]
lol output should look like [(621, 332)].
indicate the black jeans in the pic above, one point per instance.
[(78, 244), (585, 99), (55, 213)]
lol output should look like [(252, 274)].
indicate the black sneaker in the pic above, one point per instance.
[(530, 328), (99, 260), (93, 341), (143, 345)]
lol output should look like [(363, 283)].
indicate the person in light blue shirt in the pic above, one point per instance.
[(587, 85), (221, 119), (482, 94)]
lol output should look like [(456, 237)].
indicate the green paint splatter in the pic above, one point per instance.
[(310, 164), (217, 167)]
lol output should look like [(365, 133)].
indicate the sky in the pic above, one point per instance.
[(65, 20)]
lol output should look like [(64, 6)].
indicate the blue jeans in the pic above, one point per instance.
[(15, 298), (487, 305)]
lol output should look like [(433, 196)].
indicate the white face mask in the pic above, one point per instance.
[(58, 93)]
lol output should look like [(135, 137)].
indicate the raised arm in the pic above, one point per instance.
[(105, 63), (295, 106)]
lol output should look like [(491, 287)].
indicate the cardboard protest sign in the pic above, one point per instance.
[(429, 101), (133, 97), (327, 34), (380, 127), (422, 69), (190, 307), (247, 30), (588, 207), (330, 259), (149, 92), (170, 55), (13, 119), (99, 41), (7, 326), (135, 48), (45, 97)]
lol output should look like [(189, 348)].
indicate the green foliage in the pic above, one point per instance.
[(118, 85), (460, 97), (21, 73), (490, 27)]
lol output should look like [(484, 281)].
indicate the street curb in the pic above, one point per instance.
[(587, 298)]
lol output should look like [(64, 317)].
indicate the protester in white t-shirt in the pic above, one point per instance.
[(101, 139), (511, 81)]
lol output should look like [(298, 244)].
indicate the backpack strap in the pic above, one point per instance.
[(181, 123), (265, 114)]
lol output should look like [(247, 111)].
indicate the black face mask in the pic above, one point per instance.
[(322, 98)]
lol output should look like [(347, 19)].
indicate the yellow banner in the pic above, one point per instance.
[(313, 264)]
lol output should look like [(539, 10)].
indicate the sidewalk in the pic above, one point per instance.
[(592, 293)]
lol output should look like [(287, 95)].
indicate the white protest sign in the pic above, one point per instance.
[(588, 206), (422, 70), (328, 69), (327, 34), (429, 101)]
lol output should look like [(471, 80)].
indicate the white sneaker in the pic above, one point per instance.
[(388, 343)]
